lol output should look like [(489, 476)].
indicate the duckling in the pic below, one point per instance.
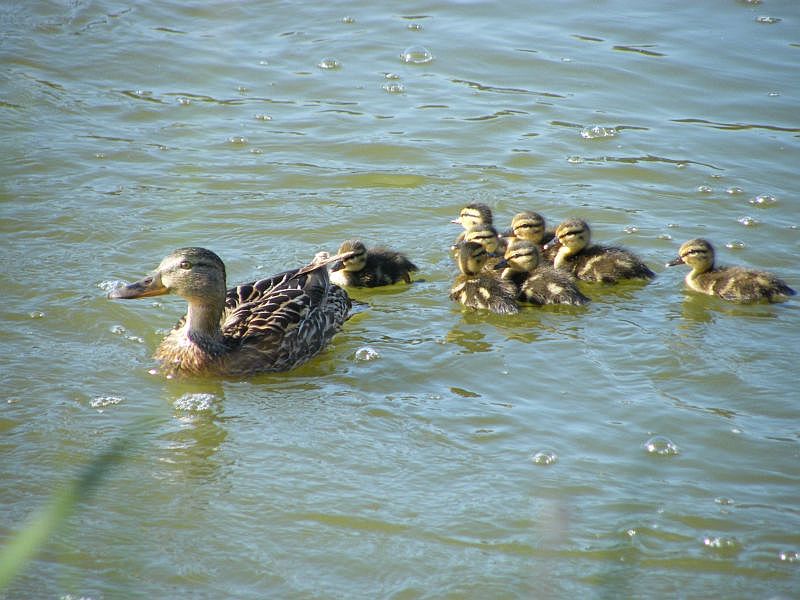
[(472, 215), (538, 283), (736, 284), (530, 226), (370, 268), (593, 262), (273, 324), (486, 235), (478, 288)]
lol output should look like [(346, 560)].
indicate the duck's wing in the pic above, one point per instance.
[(275, 306)]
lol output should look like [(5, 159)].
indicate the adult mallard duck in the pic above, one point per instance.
[(272, 324), (736, 284), (538, 283), (477, 287), (370, 268), (593, 262)]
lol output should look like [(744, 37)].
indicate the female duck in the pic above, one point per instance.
[(593, 262), (370, 268), (273, 324), (478, 288), (736, 284), (535, 282)]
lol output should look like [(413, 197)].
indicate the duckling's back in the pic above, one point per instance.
[(546, 285), (607, 264), (486, 292), (739, 284), (385, 267)]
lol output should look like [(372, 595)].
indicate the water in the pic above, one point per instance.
[(646, 446)]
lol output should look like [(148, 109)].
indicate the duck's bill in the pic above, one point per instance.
[(551, 244), (501, 264), (149, 286), (337, 266), (337, 260), (675, 262)]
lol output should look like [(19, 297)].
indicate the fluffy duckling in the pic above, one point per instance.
[(273, 324), (530, 226), (472, 215), (370, 268), (736, 284), (487, 236), (478, 288), (593, 262), (538, 283)]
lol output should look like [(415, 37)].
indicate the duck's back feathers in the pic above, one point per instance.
[(546, 285), (485, 292), (739, 284), (607, 264)]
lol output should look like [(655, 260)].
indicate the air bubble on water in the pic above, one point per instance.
[(415, 27), (100, 155), (394, 87), (764, 201), (673, 225), (734, 190), (544, 458), (665, 236), (110, 284), (773, 94), (263, 63), (574, 160), (631, 229), (749, 221), (104, 401), (196, 402), (735, 245), (723, 501), (365, 354), (705, 189), (416, 55), (348, 20), (789, 556), (661, 446), (329, 64), (184, 101), (237, 140), (262, 117), (117, 330), (256, 151), (37, 314), (391, 76), (768, 20), (598, 132), (724, 546)]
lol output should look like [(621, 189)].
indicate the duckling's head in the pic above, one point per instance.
[(475, 213), (697, 253), (522, 256), (192, 273), (528, 226), (485, 235), (573, 234), (356, 260), (471, 257)]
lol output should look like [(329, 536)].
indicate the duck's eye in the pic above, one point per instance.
[(185, 264)]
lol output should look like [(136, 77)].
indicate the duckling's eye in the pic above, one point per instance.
[(185, 264)]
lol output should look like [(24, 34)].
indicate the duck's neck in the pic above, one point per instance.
[(202, 325), (564, 252)]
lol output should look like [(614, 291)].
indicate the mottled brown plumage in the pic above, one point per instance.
[(479, 288), (370, 268), (593, 262), (273, 324), (736, 284), (530, 226)]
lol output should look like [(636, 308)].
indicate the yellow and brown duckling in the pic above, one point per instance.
[(594, 262), (273, 324), (530, 226), (538, 283), (370, 268), (736, 284), (487, 236), (472, 215), (479, 288)]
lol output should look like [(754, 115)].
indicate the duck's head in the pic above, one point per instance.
[(573, 234), (528, 226), (192, 273), (475, 213), (697, 253), (521, 256), (471, 257), (485, 235), (355, 256)]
